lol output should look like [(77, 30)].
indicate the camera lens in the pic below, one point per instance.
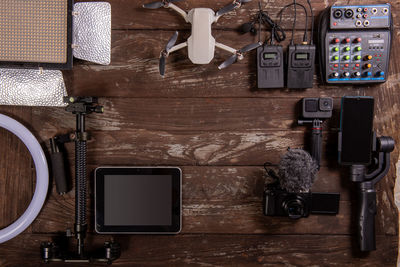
[(294, 208), (326, 104)]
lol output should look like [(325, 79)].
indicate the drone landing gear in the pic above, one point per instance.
[(59, 249)]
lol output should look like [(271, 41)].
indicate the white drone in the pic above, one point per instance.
[(201, 44)]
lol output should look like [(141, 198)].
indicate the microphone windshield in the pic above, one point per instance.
[(297, 171)]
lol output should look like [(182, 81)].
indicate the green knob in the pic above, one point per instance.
[(346, 57), (347, 48), (358, 48), (335, 49), (357, 57), (335, 57)]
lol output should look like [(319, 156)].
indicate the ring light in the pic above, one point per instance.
[(42, 176)]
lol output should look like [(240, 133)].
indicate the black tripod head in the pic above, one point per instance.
[(83, 105)]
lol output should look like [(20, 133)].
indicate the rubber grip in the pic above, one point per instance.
[(366, 222), (316, 146), (58, 170)]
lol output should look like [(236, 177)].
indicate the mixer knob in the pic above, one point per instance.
[(335, 74), (380, 73), (346, 74), (357, 74), (367, 73)]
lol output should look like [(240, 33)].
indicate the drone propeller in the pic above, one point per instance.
[(158, 4), (239, 55), (230, 7), (165, 52)]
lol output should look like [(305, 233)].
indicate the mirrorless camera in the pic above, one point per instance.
[(281, 203), (278, 202)]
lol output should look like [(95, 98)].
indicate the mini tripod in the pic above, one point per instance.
[(58, 251), (316, 144), (382, 148)]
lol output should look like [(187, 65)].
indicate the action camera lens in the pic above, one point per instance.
[(325, 104)]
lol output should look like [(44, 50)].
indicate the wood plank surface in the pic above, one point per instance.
[(220, 129), (124, 10), (220, 250), (16, 185), (135, 59)]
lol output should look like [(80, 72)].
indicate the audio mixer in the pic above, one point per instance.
[(355, 43)]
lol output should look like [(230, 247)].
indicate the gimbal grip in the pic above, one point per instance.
[(366, 219), (58, 170), (58, 167), (316, 145)]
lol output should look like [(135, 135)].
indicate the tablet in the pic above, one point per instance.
[(138, 200)]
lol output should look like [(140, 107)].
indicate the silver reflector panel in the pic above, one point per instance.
[(29, 87)]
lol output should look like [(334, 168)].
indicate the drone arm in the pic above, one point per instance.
[(179, 11), (177, 47), (226, 48)]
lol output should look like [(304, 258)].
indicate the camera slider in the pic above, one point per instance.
[(58, 250), (366, 182)]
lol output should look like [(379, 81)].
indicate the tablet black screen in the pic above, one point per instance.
[(137, 199)]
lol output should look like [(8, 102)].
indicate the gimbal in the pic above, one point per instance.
[(382, 147), (58, 251)]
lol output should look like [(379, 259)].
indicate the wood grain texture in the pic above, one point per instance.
[(123, 12), (229, 200), (220, 129), (16, 177), (134, 72), (220, 250)]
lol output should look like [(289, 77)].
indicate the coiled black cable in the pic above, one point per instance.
[(277, 32)]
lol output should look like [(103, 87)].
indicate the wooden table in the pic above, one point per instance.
[(220, 129)]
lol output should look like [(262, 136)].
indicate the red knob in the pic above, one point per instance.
[(336, 40), (347, 40), (358, 40)]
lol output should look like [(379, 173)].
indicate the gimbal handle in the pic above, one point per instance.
[(367, 194)]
